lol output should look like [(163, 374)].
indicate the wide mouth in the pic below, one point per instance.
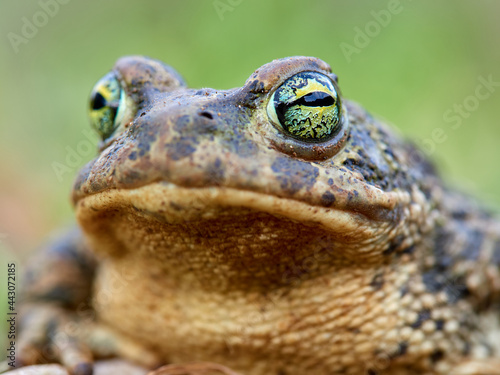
[(176, 205)]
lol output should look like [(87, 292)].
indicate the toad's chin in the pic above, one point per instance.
[(223, 237)]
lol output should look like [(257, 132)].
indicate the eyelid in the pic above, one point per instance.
[(271, 110), (122, 107)]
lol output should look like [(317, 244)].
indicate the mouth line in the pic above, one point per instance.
[(175, 204)]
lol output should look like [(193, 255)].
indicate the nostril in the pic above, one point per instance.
[(208, 115)]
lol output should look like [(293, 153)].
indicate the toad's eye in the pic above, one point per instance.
[(307, 107), (107, 102)]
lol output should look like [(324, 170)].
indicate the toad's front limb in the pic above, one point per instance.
[(57, 321)]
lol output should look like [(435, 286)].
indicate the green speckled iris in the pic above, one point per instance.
[(307, 106), (105, 102)]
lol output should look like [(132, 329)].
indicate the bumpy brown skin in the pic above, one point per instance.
[(219, 238)]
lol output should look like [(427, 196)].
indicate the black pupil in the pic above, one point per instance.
[(315, 99), (98, 102)]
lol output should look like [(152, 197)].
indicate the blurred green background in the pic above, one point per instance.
[(411, 70)]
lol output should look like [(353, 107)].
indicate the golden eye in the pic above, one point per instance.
[(107, 105), (307, 106)]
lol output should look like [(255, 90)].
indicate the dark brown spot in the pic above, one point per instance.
[(216, 171), (437, 355), (182, 123), (402, 349), (423, 315), (409, 250), (435, 281), (394, 245), (328, 199), (377, 282), (439, 324), (294, 175), (404, 291), (178, 149), (466, 348), (472, 248), (176, 206)]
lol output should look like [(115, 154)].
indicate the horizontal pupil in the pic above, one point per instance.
[(315, 99)]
